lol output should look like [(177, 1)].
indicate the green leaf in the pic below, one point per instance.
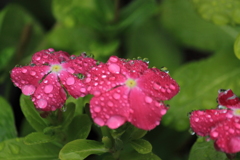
[(15, 149), (237, 47), (219, 12), (133, 133), (141, 146), (31, 114), (156, 47), (7, 124), (37, 138), (203, 150), (68, 114), (199, 84), (180, 19), (80, 149), (137, 156), (80, 127)]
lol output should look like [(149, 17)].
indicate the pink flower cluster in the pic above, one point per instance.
[(221, 124), (124, 90)]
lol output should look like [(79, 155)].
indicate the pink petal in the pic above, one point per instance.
[(145, 111), (111, 108), (100, 79), (27, 78), (158, 84), (49, 56), (49, 94), (79, 64), (227, 135), (229, 99), (202, 122), (73, 85)]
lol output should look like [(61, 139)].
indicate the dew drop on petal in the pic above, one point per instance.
[(114, 68), (115, 121), (98, 121), (109, 103), (172, 87), (214, 134), (83, 90), (28, 89), (148, 99), (116, 96), (237, 125), (48, 88), (113, 59), (33, 73), (24, 70), (97, 109), (42, 103), (70, 81), (156, 86), (196, 119), (163, 111), (157, 123), (96, 93)]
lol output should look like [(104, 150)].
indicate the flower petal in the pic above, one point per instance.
[(73, 85), (111, 108), (229, 99), (27, 78), (202, 122), (49, 94), (145, 112), (49, 56), (158, 84), (227, 135)]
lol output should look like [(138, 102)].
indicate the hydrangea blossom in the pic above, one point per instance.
[(221, 124), (127, 90), (49, 75)]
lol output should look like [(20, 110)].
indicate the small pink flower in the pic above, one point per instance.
[(49, 75), (129, 91), (222, 124)]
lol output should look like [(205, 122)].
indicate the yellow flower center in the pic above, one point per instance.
[(236, 112), (56, 68), (131, 83)]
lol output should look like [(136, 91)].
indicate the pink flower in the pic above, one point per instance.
[(129, 91), (222, 124), (49, 75)]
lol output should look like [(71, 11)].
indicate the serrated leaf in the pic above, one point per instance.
[(37, 138), (7, 124), (180, 19), (80, 127), (15, 149), (137, 156), (31, 114), (203, 150), (199, 84), (80, 149), (141, 146), (219, 12)]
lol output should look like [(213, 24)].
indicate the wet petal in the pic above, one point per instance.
[(49, 94), (227, 135), (49, 56), (111, 108), (158, 84), (145, 112), (202, 122), (229, 99), (27, 78), (73, 84)]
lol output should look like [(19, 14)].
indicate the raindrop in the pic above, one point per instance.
[(114, 68), (42, 103), (172, 87), (157, 123), (97, 109), (104, 76), (70, 81), (148, 99), (83, 90), (88, 80), (163, 111), (38, 58), (33, 73), (24, 70), (221, 90), (156, 86), (48, 88), (98, 121), (164, 69), (113, 59), (146, 60), (109, 103), (116, 96), (115, 121), (14, 149), (191, 131), (64, 108), (196, 119), (28, 89), (214, 134)]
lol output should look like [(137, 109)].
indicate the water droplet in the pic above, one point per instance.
[(191, 131), (42, 103), (28, 89), (14, 149), (157, 123), (115, 121), (109, 103), (98, 121), (24, 70), (163, 90), (48, 88), (164, 69), (64, 108), (97, 109), (231, 130), (114, 68), (196, 119), (51, 50), (83, 90), (221, 90), (104, 76), (237, 125), (156, 86), (113, 59), (214, 134), (70, 81), (163, 111), (116, 96), (96, 93), (148, 99), (38, 58), (33, 73), (171, 86)]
